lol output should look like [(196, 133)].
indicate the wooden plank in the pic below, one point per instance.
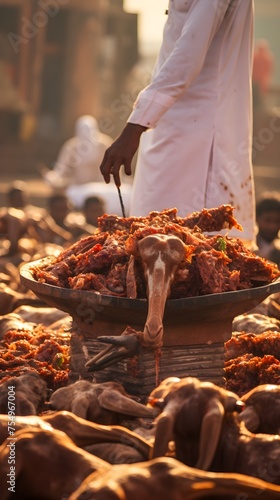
[(138, 375)]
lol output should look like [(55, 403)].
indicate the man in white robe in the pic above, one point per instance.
[(196, 115)]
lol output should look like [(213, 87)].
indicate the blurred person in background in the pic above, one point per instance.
[(77, 172), (17, 195), (58, 208), (268, 222), (195, 117), (79, 158), (21, 220), (85, 222), (94, 207), (14, 218)]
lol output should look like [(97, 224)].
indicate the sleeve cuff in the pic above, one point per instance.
[(149, 107)]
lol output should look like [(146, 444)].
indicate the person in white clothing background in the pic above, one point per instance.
[(76, 170), (79, 157), (194, 120)]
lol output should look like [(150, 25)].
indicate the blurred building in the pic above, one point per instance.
[(267, 21), (60, 59), (266, 139)]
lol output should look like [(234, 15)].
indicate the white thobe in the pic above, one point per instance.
[(198, 108)]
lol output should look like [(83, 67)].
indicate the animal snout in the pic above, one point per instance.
[(153, 331)]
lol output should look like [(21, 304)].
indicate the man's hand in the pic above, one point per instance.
[(121, 153)]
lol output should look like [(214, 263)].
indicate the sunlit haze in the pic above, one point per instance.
[(151, 20)]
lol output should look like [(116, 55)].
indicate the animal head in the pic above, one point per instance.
[(160, 256), (192, 416), (30, 392), (103, 403)]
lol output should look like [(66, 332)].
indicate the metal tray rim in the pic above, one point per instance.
[(43, 289)]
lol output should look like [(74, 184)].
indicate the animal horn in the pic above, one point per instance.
[(250, 418), (115, 401), (164, 429), (210, 434)]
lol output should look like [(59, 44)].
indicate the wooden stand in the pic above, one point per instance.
[(189, 350)]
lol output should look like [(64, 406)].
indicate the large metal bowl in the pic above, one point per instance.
[(89, 307)]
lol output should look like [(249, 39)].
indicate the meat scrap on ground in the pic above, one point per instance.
[(212, 264), (41, 350), (246, 372), (258, 345), (252, 360)]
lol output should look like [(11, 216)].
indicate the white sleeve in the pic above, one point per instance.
[(184, 63)]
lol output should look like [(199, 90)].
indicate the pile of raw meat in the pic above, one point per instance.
[(213, 263)]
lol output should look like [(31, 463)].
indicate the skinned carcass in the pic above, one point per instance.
[(168, 479), (11, 299), (201, 419), (104, 403), (252, 360), (115, 444), (48, 465), (273, 308), (119, 453), (34, 348)]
